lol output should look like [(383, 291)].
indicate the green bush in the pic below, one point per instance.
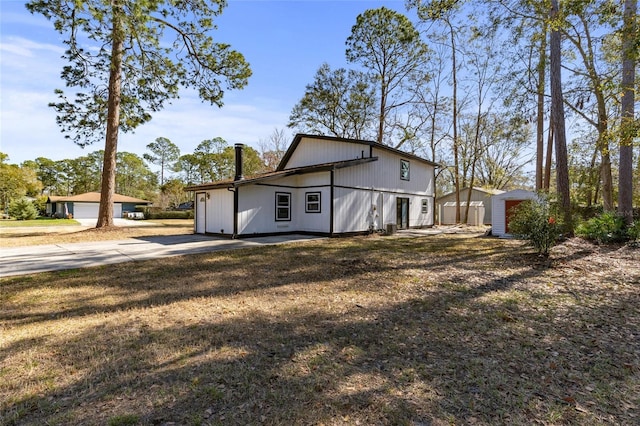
[(22, 209), (606, 228), (532, 221), (633, 231), (178, 214)]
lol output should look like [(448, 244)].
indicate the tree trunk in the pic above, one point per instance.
[(557, 117), (105, 213), (540, 118), (456, 164), (549, 160), (625, 171)]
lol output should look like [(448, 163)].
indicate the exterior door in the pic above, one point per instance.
[(201, 213), (508, 211), (402, 213)]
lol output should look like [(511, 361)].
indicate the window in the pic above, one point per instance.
[(425, 206), (283, 206), (404, 169), (312, 204)]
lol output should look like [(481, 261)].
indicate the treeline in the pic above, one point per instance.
[(212, 160), (468, 85)]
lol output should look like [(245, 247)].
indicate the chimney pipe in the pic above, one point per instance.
[(239, 147)]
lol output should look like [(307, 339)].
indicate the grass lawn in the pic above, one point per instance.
[(438, 330), (41, 221), (27, 236)]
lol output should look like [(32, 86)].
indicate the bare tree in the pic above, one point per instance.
[(272, 149)]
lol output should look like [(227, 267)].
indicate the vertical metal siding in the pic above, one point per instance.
[(219, 211), (318, 151), (257, 206)]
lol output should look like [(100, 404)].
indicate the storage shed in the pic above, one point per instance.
[(447, 213), (501, 205), (477, 194)]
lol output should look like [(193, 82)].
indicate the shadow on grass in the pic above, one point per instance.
[(360, 344)]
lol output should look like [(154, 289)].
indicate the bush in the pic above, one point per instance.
[(633, 231), (178, 214), (532, 221), (606, 228), (22, 209)]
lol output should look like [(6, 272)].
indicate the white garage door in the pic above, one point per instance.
[(90, 210), (85, 210)]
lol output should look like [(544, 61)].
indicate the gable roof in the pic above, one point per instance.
[(94, 197), (298, 138), (230, 183)]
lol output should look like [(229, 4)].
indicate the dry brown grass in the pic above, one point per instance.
[(418, 331), (18, 237)]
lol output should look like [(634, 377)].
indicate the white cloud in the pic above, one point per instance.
[(27, 48)]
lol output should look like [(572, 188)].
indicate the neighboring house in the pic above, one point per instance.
[(445, 214), (501, 209), (85, 206), (325, 186)]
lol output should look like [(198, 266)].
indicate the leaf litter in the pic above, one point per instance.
[(450, 329)]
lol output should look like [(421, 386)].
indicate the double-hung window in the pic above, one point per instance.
[(283, 206), (312, 204)]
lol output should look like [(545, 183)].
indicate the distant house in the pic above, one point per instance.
[(85, 206), (501, 209), (325, 186), (479, 212)]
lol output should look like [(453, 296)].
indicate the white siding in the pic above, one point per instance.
[(318, 151), (256, 209), (353, 212), (353, 209), (219, 211)]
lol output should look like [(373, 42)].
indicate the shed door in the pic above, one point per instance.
[(508, 211), (201, 213), (402, 213)]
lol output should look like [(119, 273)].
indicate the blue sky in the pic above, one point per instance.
[(284, 41)]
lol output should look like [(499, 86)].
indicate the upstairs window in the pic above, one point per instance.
[(404, 169), (283, 206)]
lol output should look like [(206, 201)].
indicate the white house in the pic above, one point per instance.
[(501, 205), (325, 186)]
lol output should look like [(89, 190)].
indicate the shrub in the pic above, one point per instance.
[(22, 209), (606, 228), (178, 214), (633, 231), (532, 221)]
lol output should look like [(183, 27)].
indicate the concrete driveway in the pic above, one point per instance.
[(55, 257)]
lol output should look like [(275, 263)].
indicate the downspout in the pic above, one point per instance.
[(234, 235), (433, 199), (331, 212), (238, 176)]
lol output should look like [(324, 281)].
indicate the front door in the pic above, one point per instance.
[(402, 213), (201, 213)]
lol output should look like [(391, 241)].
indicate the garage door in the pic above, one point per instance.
[(90, 210), (85, 210)]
